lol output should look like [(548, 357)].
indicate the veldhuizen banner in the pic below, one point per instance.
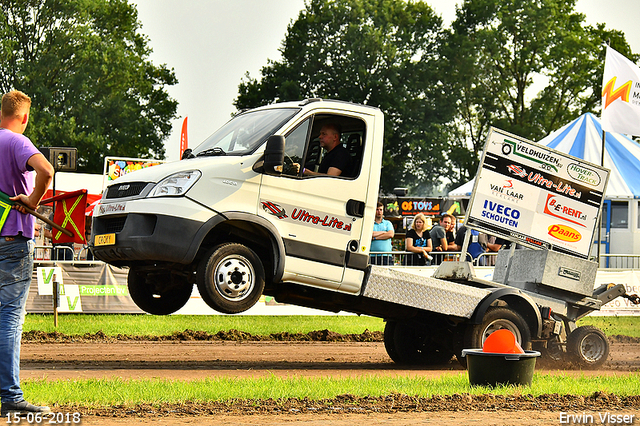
[(536, 196)]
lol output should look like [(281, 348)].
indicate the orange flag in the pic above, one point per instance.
[(184, 141), (69, 213)]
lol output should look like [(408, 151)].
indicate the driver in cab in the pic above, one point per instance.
[(337, 160)]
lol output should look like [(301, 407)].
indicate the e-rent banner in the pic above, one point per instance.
[(537, 196)]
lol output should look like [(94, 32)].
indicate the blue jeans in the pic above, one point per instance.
[(16, 268)]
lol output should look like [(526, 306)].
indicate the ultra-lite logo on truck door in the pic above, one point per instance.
[(315, 219), (274, 209)]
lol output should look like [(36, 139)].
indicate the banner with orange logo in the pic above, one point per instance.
[(620, 95), (536, 196)]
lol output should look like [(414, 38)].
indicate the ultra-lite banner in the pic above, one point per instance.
[(536, 196)]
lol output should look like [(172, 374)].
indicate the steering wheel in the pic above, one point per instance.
[(289, 166)]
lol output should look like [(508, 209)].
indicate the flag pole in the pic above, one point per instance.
[(46, 220), (604, 136)]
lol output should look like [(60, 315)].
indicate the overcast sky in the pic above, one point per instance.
[(211, 44)]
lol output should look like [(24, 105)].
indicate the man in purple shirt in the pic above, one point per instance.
[(18, 159)]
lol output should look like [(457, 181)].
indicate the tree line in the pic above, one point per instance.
[(86, 67), (524, 67)]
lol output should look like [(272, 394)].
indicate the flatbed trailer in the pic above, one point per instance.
[(429, 319)]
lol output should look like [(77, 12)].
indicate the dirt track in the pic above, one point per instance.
[(187, 360)]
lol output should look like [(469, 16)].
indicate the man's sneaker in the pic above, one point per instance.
[(22, 408)]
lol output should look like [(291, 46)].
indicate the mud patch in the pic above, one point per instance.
[(394, 403), (194, 335)]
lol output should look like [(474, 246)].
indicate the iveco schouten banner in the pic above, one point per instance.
[(536, 196)]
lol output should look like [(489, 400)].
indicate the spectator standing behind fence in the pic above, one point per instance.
[(418, 241), (18, 159), (439, 236), (451, 237), (493, 245), (477, 243), (381, 238)]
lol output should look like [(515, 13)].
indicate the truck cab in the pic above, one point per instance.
[(237, 216)]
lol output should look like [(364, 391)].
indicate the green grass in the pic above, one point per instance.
[(111, 325), (625, 326), (108, 392)]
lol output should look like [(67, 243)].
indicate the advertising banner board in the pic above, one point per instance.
[(405, 206), (114, 167), (536, 196)]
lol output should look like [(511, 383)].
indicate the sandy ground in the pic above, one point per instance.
[(189, 360)]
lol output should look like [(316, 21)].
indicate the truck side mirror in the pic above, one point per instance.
[(187, 154), (274, 155)]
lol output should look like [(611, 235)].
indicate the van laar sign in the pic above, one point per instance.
[(536, 196)]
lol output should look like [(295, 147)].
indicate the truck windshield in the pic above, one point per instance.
[(244, 133)]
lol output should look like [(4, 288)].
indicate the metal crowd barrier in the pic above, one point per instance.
[(44, 253), (405, 258), (620, 261)]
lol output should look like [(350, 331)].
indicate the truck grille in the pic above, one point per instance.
[(114, 224), (125, 190)]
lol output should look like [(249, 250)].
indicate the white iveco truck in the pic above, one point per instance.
[(237, 218)]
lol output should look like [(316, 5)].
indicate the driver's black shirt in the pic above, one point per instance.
[(339, 158)]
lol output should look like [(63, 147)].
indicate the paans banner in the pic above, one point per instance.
[(536, 196)]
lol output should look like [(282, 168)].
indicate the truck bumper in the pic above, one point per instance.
[(146, 237)]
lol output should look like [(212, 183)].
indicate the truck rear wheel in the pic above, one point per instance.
[(587, 346), (413, 346), (159, 293), (231, 278), (496, 318), (389, 345)]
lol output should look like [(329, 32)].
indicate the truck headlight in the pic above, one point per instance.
[(176, 184)]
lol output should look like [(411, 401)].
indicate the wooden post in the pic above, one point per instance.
[(55, 301)]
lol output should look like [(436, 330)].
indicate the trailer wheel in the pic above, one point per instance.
[(496, 318), (588, 346), (415, 347), (158, 294), (231, 278)]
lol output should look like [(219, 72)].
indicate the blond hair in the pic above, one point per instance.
[(422, 217), (15, 103)]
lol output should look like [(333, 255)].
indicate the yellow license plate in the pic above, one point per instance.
[(105, 240)]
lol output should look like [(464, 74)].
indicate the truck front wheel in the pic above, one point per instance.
[(159, 293), (231, 278)]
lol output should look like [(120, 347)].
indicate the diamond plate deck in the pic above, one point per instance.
[(431, 294)]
